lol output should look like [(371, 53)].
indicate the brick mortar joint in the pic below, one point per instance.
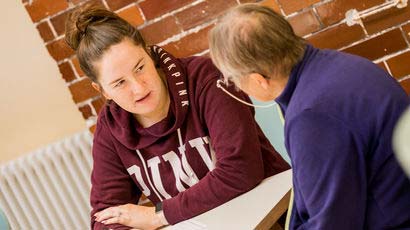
[(41, 21), (387, 67), (316, 14), (145, 24), (202, 53), (324, 29), (68, 84), (88, 101), (70, 7), (366, 38), (159, 18), (141, 13), (334, 25), (53, 30), (126, 7), (404, 78), (66, 59), (56, 38), (369, 37), (386, 57), (70, 62), (303, 9), (104, 2), (406, 36), (90, 105), (185, 33), (280, 7)]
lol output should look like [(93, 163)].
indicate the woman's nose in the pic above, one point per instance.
[(137, 85)]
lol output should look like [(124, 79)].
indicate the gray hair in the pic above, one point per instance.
[(254, 39)]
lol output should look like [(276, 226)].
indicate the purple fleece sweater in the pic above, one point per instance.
[(340, 111)]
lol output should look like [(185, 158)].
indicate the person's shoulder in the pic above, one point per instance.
[(343, 74), (362, 76), (197, 61), (101, 125), (342, 62)]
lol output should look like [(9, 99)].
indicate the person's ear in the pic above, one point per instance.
[(100, 90), (260, 80)]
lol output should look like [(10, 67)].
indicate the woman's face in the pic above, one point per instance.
[(128, 76)]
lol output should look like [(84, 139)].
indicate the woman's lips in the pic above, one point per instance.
[(143, 98)]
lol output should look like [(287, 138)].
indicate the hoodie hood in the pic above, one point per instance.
[(125, 128)]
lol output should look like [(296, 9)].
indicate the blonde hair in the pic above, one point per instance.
[(91, 30), (254, 39)]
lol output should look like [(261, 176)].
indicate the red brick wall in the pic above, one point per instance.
[(181, 27)]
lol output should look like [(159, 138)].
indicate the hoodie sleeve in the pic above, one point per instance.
[(329, 173), (239, 162), (111, 184)]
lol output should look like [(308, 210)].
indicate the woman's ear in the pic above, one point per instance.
[(259, 80), (98, 87)]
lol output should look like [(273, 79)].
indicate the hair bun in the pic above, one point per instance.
[(80, 19)]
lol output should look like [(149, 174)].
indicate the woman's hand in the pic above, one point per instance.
[(131, 215)]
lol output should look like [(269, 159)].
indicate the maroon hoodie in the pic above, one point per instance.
[(208, 150)]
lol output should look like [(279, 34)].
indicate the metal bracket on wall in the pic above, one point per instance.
[(355, 17)]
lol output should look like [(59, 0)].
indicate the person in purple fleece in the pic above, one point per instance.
[(166, 131), (339, 110)]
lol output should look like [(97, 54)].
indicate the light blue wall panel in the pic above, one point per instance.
[(272, 126)]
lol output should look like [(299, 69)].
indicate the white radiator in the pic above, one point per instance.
[(49, 188)]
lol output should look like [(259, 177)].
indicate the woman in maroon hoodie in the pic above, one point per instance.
[(166, 131)]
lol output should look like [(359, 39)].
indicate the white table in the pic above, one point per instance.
[(257, 209)]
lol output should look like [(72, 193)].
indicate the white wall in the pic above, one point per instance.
[(35, 105)]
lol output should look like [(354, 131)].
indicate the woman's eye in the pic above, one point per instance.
[(119, 83), (139, 68)]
